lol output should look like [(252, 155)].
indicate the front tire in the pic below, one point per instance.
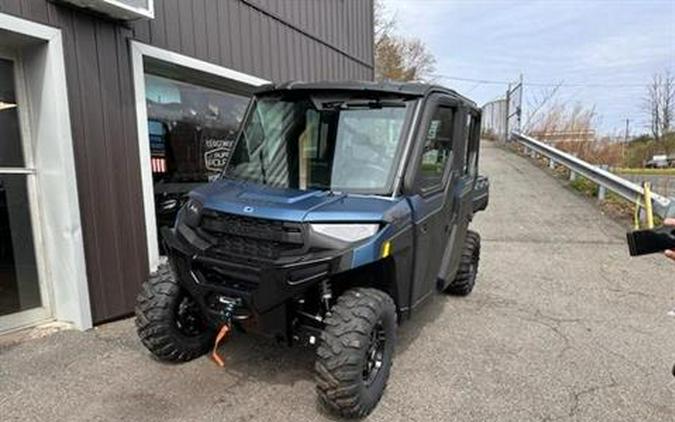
[(168, 320), (465, 279), (355, 354)]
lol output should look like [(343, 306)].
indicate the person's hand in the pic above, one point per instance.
[(670, 222)]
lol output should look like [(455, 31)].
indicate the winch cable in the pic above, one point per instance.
[(222, 333)]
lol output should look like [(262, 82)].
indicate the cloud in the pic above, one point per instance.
[(634, 48), (579, 42)]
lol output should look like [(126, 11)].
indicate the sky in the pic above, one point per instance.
[(604, 51)]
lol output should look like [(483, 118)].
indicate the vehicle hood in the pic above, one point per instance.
[(251, 199)]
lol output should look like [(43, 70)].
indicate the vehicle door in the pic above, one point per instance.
[(435, 155), (461, 191)]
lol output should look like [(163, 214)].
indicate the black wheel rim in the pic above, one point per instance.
[(189, 320), (374, 354)]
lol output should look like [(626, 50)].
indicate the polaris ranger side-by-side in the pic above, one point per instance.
[(342, 208)]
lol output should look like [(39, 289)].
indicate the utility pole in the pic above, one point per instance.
[(507, 113), (520, 104), (625, 136), (625, 142)]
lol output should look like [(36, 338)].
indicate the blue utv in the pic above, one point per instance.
[(344, 205)]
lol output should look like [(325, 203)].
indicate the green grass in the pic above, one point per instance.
[(584, 186), (613, 203), (646, 172)]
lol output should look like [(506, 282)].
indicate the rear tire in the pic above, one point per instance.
[(355, 354), (168, 321), (465, 279)]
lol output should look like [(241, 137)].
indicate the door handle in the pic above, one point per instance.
[(424, 228)]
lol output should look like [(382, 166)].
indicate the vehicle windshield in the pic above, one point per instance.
[(345, 145)]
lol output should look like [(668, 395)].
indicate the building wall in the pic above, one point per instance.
[(275, 40), (272, 39)]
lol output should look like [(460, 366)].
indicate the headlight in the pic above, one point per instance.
[(346, 232), (192, 213)]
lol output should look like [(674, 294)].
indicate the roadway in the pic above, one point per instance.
[(562, 326)]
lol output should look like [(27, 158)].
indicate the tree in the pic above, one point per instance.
[(536, 104), (667, 103), (384, 23), (398, 58), (659, 104)]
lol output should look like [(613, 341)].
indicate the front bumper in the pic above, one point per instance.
[(262, 290)]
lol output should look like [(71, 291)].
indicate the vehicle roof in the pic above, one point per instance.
[(415, 89)]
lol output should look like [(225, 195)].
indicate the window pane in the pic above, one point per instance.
[(437, 148), (19, 287), (470, 166), (191, 130), (366, 145), (290, 143), (11, 152)]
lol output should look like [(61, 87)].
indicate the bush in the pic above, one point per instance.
[(594, 152), (643, 148)]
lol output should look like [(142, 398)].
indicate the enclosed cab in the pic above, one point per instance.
[(342, 208)]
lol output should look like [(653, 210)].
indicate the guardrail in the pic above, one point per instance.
[(661, 205)]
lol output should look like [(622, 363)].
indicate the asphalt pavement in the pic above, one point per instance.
[(562, 326)]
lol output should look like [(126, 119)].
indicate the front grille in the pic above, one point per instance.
[(251, 237), (233, 278)]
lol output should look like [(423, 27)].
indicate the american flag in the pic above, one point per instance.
[(158, 165)]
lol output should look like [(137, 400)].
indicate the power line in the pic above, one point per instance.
[(542, 84)]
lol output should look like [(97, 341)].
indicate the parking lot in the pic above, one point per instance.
[(562, 326)]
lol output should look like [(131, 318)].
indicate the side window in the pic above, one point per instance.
[(472, 135), (437, 150), (254, 134)]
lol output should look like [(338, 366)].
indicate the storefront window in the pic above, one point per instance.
[(19, 283), (11, 152), (191, 130), (19, 286)]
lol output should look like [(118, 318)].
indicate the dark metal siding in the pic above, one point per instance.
[(277, 40), (331, 39)]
